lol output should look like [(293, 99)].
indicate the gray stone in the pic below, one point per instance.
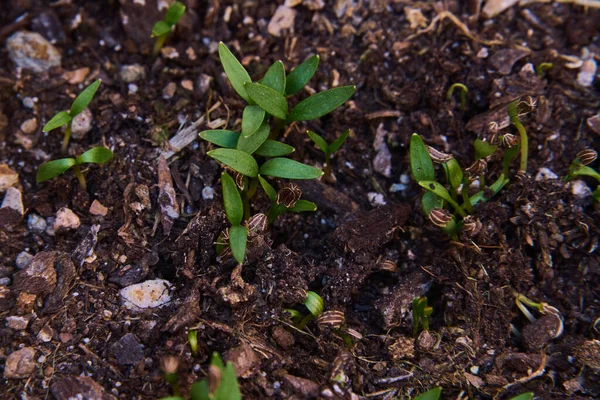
[(545, 174), (132, 73), (23, 260), (127, 350), (29, 50), (82, 124), (13, 200), (17, 322), (20, 364), (36, 224)]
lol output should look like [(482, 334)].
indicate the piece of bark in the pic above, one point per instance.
[(169, 209)]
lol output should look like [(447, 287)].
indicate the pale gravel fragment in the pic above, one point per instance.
[(149, 294)]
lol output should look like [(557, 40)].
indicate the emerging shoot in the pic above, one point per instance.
[(463, 94), (161, 29), (328, 149), (421, 312)]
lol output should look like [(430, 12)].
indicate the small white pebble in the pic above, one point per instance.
[(376, 199), (208, 193), (545, 174), (405, 179), (28, 102), (133, 88)]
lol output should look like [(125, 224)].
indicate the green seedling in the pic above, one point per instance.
[(161, 29), (421, 313), (193, 339), (254, 153), (328, 149), (523, 302), (314, 304), (431, 394), (513, 113), (579, 167), (543, 68), (463, 94), (65, 118), (51, 169)]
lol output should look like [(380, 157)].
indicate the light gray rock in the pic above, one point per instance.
[(36, 224), (581, 190), (545, 174), (149, 294), (132, 73), (13, 200), (82, 124), (30, 50), (23, 260)]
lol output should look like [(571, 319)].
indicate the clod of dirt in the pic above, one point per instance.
[(40, 277), (127, 350), (402, 348), (148, 294), (540, 333), (65, 270), (503, 60), (98, 209), (8, 177), (20, 364), (17, 323), (32, 51), (79, 387), (283, 337), (244, 360), (588, 354), (307, 388), (187, 313)]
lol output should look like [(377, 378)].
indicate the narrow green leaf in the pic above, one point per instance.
[(281, 167), (238, 236), (268, 99), (199, 390), (304, 205), (319, 141), (524, 396), (441, 191), (483, 149), (455, 173), (273, 148), (300, 75), (275, 77), (321, 103), (252, 118), (294, 314), (160, 28), (432, 394), (221, 137), (84, 98), (174, 13), (229, 388), (314, 303), (586, 171), (237, 160), (429, 201), (60, 119), (235, 71), (337, 143), (234, 208), (269, 190), (250, 144), (421, 164), (95, 155), (54, 168), (215, 360)]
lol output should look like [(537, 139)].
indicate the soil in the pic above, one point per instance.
[(367, 260)]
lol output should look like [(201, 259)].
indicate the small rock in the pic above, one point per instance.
[(495, 7), (133, 88), (20, 364), (23, 260), (65, 337), (29, 102), (4, 281), (580, 190), (169, 52), (25, 303), (8, 177), (376, 199), (76, 77), (244, 360), (426, 341), (545, 174), (36, 224), (587, 73), (127, 350), (382, 162), (307, 389), (45, 334), (132, 73), (208, 193), (13, 200), (594, 123), (66, 219), (82, 124), (18, 323), (169, 90), (203, 84), (98, 208), (283, 19), (148, 294), (6, 299), (29, 126), (187, 85), (31, 51)]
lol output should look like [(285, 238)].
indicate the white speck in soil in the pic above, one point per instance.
[(208, 193)]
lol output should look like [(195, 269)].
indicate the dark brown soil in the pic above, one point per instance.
[(537, 238)]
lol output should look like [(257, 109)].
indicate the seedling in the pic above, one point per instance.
[(51, 169), (161, 29), (515, 109), (255, 153), (314, 304), (579, 167), (463, 94), (420, 312), (431, 394), (523, 302), (328, 149), (543, 68), (65, 118), (193, 339), (169, 365)]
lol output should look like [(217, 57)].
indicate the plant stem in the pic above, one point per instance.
[(80, 177), (512, 113), (275, 211), (465, 195), (66, 139), (327, 169), (160, 41)]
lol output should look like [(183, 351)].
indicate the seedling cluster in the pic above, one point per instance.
[(162, 29), (420, 313), (255, 153)]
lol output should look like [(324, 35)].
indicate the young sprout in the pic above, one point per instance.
[(515, 109), (221, 383), (543, 68), (463, 94), (328, 149), (51, 169), (579, 167), (431, 394), (161, 29), (523, 302), (314, 303), (66, 117), (421, 312), (193, 339)]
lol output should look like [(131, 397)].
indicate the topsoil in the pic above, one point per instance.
[(366, 258)]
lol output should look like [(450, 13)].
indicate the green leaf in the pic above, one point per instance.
[(273, 148), (281, 167), (268, 99), (483, 149), (236, 73), (300, 75), (429, 201), (238, 236), (269, 190), (319, 141), (420, 160), (304, 205), (314, 303), (252, 118), (95, 155), (275, 77), (432, 394), (524, 396), (586, 171), (337, 143), (199, 390), (174, 13), (237, 160), (494, 188), (234, 208), (215, 360), (441, 191), (221, 137), (250, 144), (54, 168), (84, 98), (321, 103), (60, 119), (160, 28), (455, 173), (229, 388), (294, 314)]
